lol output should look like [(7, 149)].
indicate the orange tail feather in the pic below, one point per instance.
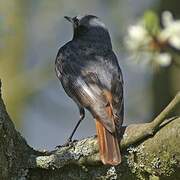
[(108, 145)]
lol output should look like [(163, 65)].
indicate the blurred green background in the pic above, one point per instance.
[(31, 33)]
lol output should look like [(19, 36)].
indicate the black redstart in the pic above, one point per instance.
[(89, 73)]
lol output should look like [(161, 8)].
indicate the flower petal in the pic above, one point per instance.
[(163, 59)]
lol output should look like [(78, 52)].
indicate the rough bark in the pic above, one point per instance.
[(150, 151)]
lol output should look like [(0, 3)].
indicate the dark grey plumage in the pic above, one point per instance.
[(87, 68)]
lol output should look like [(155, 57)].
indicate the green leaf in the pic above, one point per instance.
[(151, 22)]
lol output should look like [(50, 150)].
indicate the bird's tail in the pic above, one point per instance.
[(108, 145)]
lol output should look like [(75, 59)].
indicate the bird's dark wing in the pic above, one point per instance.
[(118, 101), (116, 89), (88, 81)]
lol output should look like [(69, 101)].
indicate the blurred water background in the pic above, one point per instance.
[(31, 33)]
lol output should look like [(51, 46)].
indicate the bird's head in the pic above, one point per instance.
[(85, 22), (89, 27)]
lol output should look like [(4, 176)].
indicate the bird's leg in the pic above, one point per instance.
[(69, 140), (82, 115)]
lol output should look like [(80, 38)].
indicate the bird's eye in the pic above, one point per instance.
[(76, 21)]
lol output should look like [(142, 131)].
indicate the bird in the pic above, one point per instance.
[(90, 74)]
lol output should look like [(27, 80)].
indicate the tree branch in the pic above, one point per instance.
[(150, 150)]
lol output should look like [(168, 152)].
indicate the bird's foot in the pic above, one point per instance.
[(69, 142)]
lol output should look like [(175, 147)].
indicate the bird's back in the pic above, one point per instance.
[(81, 64)]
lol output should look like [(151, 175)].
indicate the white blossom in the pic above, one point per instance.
[(146, 49), (137, 37), (163, 59), (171, 30)]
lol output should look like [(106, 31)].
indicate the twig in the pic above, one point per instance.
[(148, 129), (171, 106)]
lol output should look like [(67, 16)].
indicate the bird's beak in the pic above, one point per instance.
[(69, 19)]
